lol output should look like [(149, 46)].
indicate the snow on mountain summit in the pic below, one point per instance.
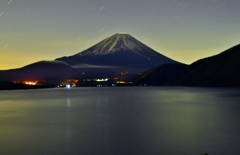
[(120, 50), (115, 43)]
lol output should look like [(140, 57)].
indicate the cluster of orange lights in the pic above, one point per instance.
[(31, 82), (69, 82), (73, 83), (123, 73)]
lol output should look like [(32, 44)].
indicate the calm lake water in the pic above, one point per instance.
[(120, 121)]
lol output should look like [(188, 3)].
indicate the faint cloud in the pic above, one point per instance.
[(92, 66), (1, 14)]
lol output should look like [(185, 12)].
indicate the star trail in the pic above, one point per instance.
[(184, 30)]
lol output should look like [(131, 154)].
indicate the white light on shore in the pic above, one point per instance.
[(68, 86)]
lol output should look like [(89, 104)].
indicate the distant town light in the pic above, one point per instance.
[(101, 80), (68, 86), (30, 83)]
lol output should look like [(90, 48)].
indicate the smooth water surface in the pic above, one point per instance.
[(120, 121)]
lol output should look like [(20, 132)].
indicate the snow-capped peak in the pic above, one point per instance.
[(122, 33), (119, 50), (115, 43)]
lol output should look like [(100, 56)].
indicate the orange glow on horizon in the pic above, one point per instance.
[(30, 83)]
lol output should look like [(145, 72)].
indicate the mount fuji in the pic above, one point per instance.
[(115, 56), (117, 53)]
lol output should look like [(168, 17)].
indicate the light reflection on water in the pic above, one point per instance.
[(121, 120)]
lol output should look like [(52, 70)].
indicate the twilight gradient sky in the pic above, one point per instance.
[(184, 30)]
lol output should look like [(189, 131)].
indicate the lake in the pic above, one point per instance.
[(120, 121)]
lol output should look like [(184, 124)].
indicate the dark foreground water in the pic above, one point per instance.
[(120, 121)]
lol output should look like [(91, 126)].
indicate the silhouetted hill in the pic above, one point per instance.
[(167, 74), (219, 70), (43, 70)]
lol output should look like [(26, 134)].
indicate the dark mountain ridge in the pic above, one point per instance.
[(43, 70), (219, 70)]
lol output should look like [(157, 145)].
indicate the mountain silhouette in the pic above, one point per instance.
[(119, 52), (40, 71), (219, 70)]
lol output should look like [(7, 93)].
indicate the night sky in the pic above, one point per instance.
[(184, 30)]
